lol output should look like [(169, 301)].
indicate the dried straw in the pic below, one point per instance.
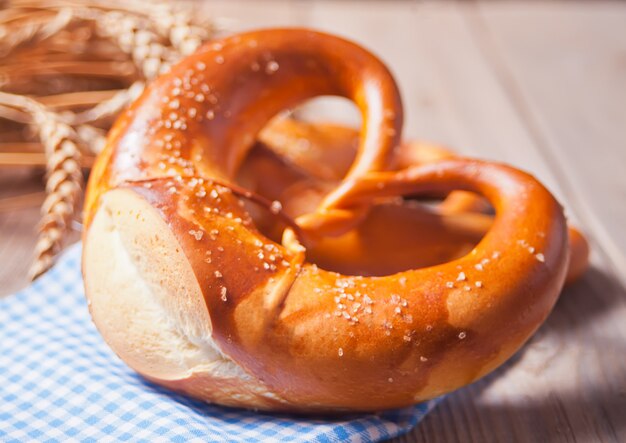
[(68, 68)]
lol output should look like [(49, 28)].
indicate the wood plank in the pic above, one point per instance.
[(246, 15), (569, 81)]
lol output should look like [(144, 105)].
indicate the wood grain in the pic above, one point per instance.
[(568, 83), (540, 85)]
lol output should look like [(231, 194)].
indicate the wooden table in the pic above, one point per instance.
[(540, 85)]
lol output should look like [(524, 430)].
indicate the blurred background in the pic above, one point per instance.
[(540, 85)]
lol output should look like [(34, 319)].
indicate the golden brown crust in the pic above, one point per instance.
[(203, 116), (285, 333), (404, 236)]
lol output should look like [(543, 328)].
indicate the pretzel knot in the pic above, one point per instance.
[(289, 266)]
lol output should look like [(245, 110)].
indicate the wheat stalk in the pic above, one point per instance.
[(64, 178), (58, 48)]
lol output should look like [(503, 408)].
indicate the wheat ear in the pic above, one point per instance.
[(64, 179)]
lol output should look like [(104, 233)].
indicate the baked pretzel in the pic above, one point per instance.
[(190, 292)]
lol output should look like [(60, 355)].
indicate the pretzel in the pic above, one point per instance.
[(196, 291)]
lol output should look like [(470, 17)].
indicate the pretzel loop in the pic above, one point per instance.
[(208, 111)]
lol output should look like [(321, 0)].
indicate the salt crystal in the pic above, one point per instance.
[(271, 67), (276, 207)]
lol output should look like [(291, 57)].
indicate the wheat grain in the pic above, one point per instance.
[(134, 37), (63, 179)]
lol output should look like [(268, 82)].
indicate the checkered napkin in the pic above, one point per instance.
[(60, 382)]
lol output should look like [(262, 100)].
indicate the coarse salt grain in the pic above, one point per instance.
[(276, 207), (197, 234), (271, 67)]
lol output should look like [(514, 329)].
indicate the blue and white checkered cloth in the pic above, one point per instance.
[(60, 382)]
